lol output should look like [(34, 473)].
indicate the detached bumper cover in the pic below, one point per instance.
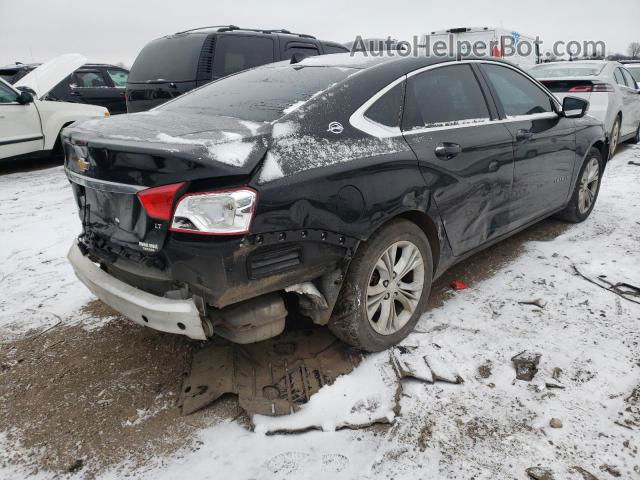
[(173, 316)]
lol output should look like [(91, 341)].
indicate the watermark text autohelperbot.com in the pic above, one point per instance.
[(451, 45)]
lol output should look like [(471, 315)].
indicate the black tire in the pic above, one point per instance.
[(349, 321), (572, 213), (636, 140), (615, 143)]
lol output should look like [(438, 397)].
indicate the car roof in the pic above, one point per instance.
[(391, 60), (239, 30), (32, 66)]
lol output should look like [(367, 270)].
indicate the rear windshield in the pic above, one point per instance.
[(635, 72), (172, 59), (564, 70), (262, 94)]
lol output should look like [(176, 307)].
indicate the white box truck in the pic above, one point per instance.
[(523, 50)]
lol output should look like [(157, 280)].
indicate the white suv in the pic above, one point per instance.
[(31, 126)]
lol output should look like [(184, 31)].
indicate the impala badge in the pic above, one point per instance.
[(335, 127)]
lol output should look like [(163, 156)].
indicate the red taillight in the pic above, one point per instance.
[(602, 87), (158, 201), (581, 89)]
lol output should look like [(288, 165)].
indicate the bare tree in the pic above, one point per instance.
[(634, 50)]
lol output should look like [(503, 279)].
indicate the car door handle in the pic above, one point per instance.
[(522, 135), (75, 94), (447, 151)]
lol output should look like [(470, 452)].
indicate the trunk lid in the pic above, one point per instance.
[(109, 161)]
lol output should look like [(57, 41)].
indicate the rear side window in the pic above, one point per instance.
[(517, 94), (235, 53), (89, 80), (617, 74), (171, 59), (444, 96), (628, 78), (387, 110)]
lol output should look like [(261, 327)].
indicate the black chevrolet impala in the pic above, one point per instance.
[(337, 187)]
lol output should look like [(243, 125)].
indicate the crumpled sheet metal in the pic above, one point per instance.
[(274, 377), (278, 376)]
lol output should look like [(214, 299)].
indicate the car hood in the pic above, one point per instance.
[(49, 74), (196, 145)]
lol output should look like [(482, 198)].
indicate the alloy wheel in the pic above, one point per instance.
[(615, 138), (588, 186), (395, 287)]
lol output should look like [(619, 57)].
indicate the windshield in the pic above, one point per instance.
[(635, 72), (563, 70), (260, 95)]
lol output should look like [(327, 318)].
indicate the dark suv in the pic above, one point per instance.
[(170, 66), (94, 83)]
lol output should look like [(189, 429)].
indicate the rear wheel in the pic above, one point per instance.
[(614, 137), (586, 191), (386, 288)]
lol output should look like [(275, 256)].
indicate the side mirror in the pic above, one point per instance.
[(297, 57), (574, 107), (28, 90), (25, 98)]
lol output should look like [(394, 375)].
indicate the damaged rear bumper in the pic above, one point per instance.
[(167, 315)]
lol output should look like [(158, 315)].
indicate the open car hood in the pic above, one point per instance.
[(49, 74)]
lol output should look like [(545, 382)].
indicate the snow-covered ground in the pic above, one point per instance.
[(490, 427)]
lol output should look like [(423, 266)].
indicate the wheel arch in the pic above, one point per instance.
[(426, 224), (57, 146)]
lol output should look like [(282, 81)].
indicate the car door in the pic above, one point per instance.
[(20, 130), (465, 157), (544, 143), (90, 86), (117, 78), (633, 108)]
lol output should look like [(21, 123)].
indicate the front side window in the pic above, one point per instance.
[(235, 53), (307, 50), (7, 95), (89, 80), (517, 94), (635, 73), (444, 96), (329, 49), (118, 77)]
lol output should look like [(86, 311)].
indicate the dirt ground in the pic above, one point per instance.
[(92, 399)]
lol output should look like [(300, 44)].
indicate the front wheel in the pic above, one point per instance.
[(386, 288), (586, 191)]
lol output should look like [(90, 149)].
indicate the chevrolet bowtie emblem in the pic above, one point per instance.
[(83, 165)]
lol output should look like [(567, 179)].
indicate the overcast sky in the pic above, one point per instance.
[(115, 30)]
